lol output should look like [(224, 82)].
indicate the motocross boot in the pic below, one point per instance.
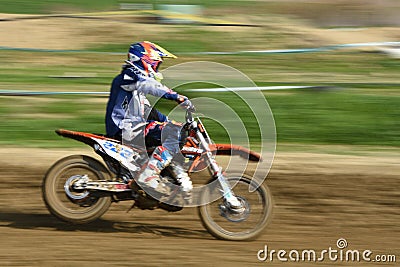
[(150, 179), (182, 177)]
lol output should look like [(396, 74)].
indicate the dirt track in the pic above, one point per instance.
[(319, 198)]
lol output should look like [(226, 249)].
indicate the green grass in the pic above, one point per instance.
[(364, 112), (197, 43), (327, 117), (31, 121), (344, 117), (48, 6), (52, 6)]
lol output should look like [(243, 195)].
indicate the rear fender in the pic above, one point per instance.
[(111, 147), (87, 138)]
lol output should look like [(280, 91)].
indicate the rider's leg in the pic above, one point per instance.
[(170, 138), (168, 134), (181, 175), (149, 179)]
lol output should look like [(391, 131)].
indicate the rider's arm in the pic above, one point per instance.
[(155, 88), (147, 85)]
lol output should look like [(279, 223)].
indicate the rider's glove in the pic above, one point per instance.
[(181, 98), (185, 103)]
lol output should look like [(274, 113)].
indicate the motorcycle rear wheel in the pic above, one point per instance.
[(227, 225), (77, 211)]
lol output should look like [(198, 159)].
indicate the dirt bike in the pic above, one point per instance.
[(79, 189)]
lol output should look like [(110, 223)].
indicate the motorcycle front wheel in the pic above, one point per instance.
[(227, 224), (67, 204)]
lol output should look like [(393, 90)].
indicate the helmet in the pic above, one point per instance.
[(147, 57)]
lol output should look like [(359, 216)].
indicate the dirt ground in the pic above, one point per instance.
[(319, 198)]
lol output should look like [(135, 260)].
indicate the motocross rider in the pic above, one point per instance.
[(130, 117)]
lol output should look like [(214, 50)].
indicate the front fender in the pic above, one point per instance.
[(232, 150)]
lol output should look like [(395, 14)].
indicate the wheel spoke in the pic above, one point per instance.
[(247, 223), (68, 203)]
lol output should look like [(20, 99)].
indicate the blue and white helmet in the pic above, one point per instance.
[(147, 57)]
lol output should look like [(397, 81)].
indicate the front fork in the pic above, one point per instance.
[(230, 198)]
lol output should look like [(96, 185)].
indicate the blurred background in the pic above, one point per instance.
[(37, 40), (337, 162)]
